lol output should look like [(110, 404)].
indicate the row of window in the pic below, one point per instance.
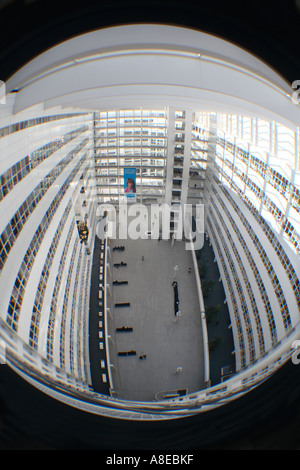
[(14, 308), (80, 322), (271, 272), (131, 113), (67, 298), (75, 312), (117, 166), (130, 142), (285, 262), (19, 170), (273, 177), (122, 118), (262, 134), (111, 154), (238, 288), (41, 289), (131, 132), (199, 149), (267, 202), (178, 157), (114, 152), (244, 274), (18, 126), (54, 300), (231, 290), (258, 278), (52, 317), (17, 222)]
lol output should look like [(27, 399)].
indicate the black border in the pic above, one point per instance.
[(266, 418)]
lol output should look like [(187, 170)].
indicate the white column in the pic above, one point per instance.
[(170, 155), (186, 157)]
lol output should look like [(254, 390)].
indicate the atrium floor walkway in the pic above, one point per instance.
[(168, 341)]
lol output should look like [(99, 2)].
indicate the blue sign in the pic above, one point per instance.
[(130, 182)]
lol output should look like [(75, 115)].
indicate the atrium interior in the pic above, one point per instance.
[(182, 294)]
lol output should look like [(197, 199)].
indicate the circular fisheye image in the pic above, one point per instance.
[(149, 223)]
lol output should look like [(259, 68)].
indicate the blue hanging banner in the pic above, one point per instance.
[(130, 182)]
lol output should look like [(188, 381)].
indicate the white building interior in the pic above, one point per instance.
[(201, 122)]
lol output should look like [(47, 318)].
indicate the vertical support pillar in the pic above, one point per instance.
[(186, 157), (170, 155)]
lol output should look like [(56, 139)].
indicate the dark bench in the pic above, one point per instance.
[(125, 328)]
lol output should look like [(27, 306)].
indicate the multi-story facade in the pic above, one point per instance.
[(64, 154), (252, 219), (45, 179)]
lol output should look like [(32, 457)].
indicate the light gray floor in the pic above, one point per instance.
[(169, 342)]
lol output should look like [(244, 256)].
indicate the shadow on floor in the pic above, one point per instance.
[(219, 335)]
